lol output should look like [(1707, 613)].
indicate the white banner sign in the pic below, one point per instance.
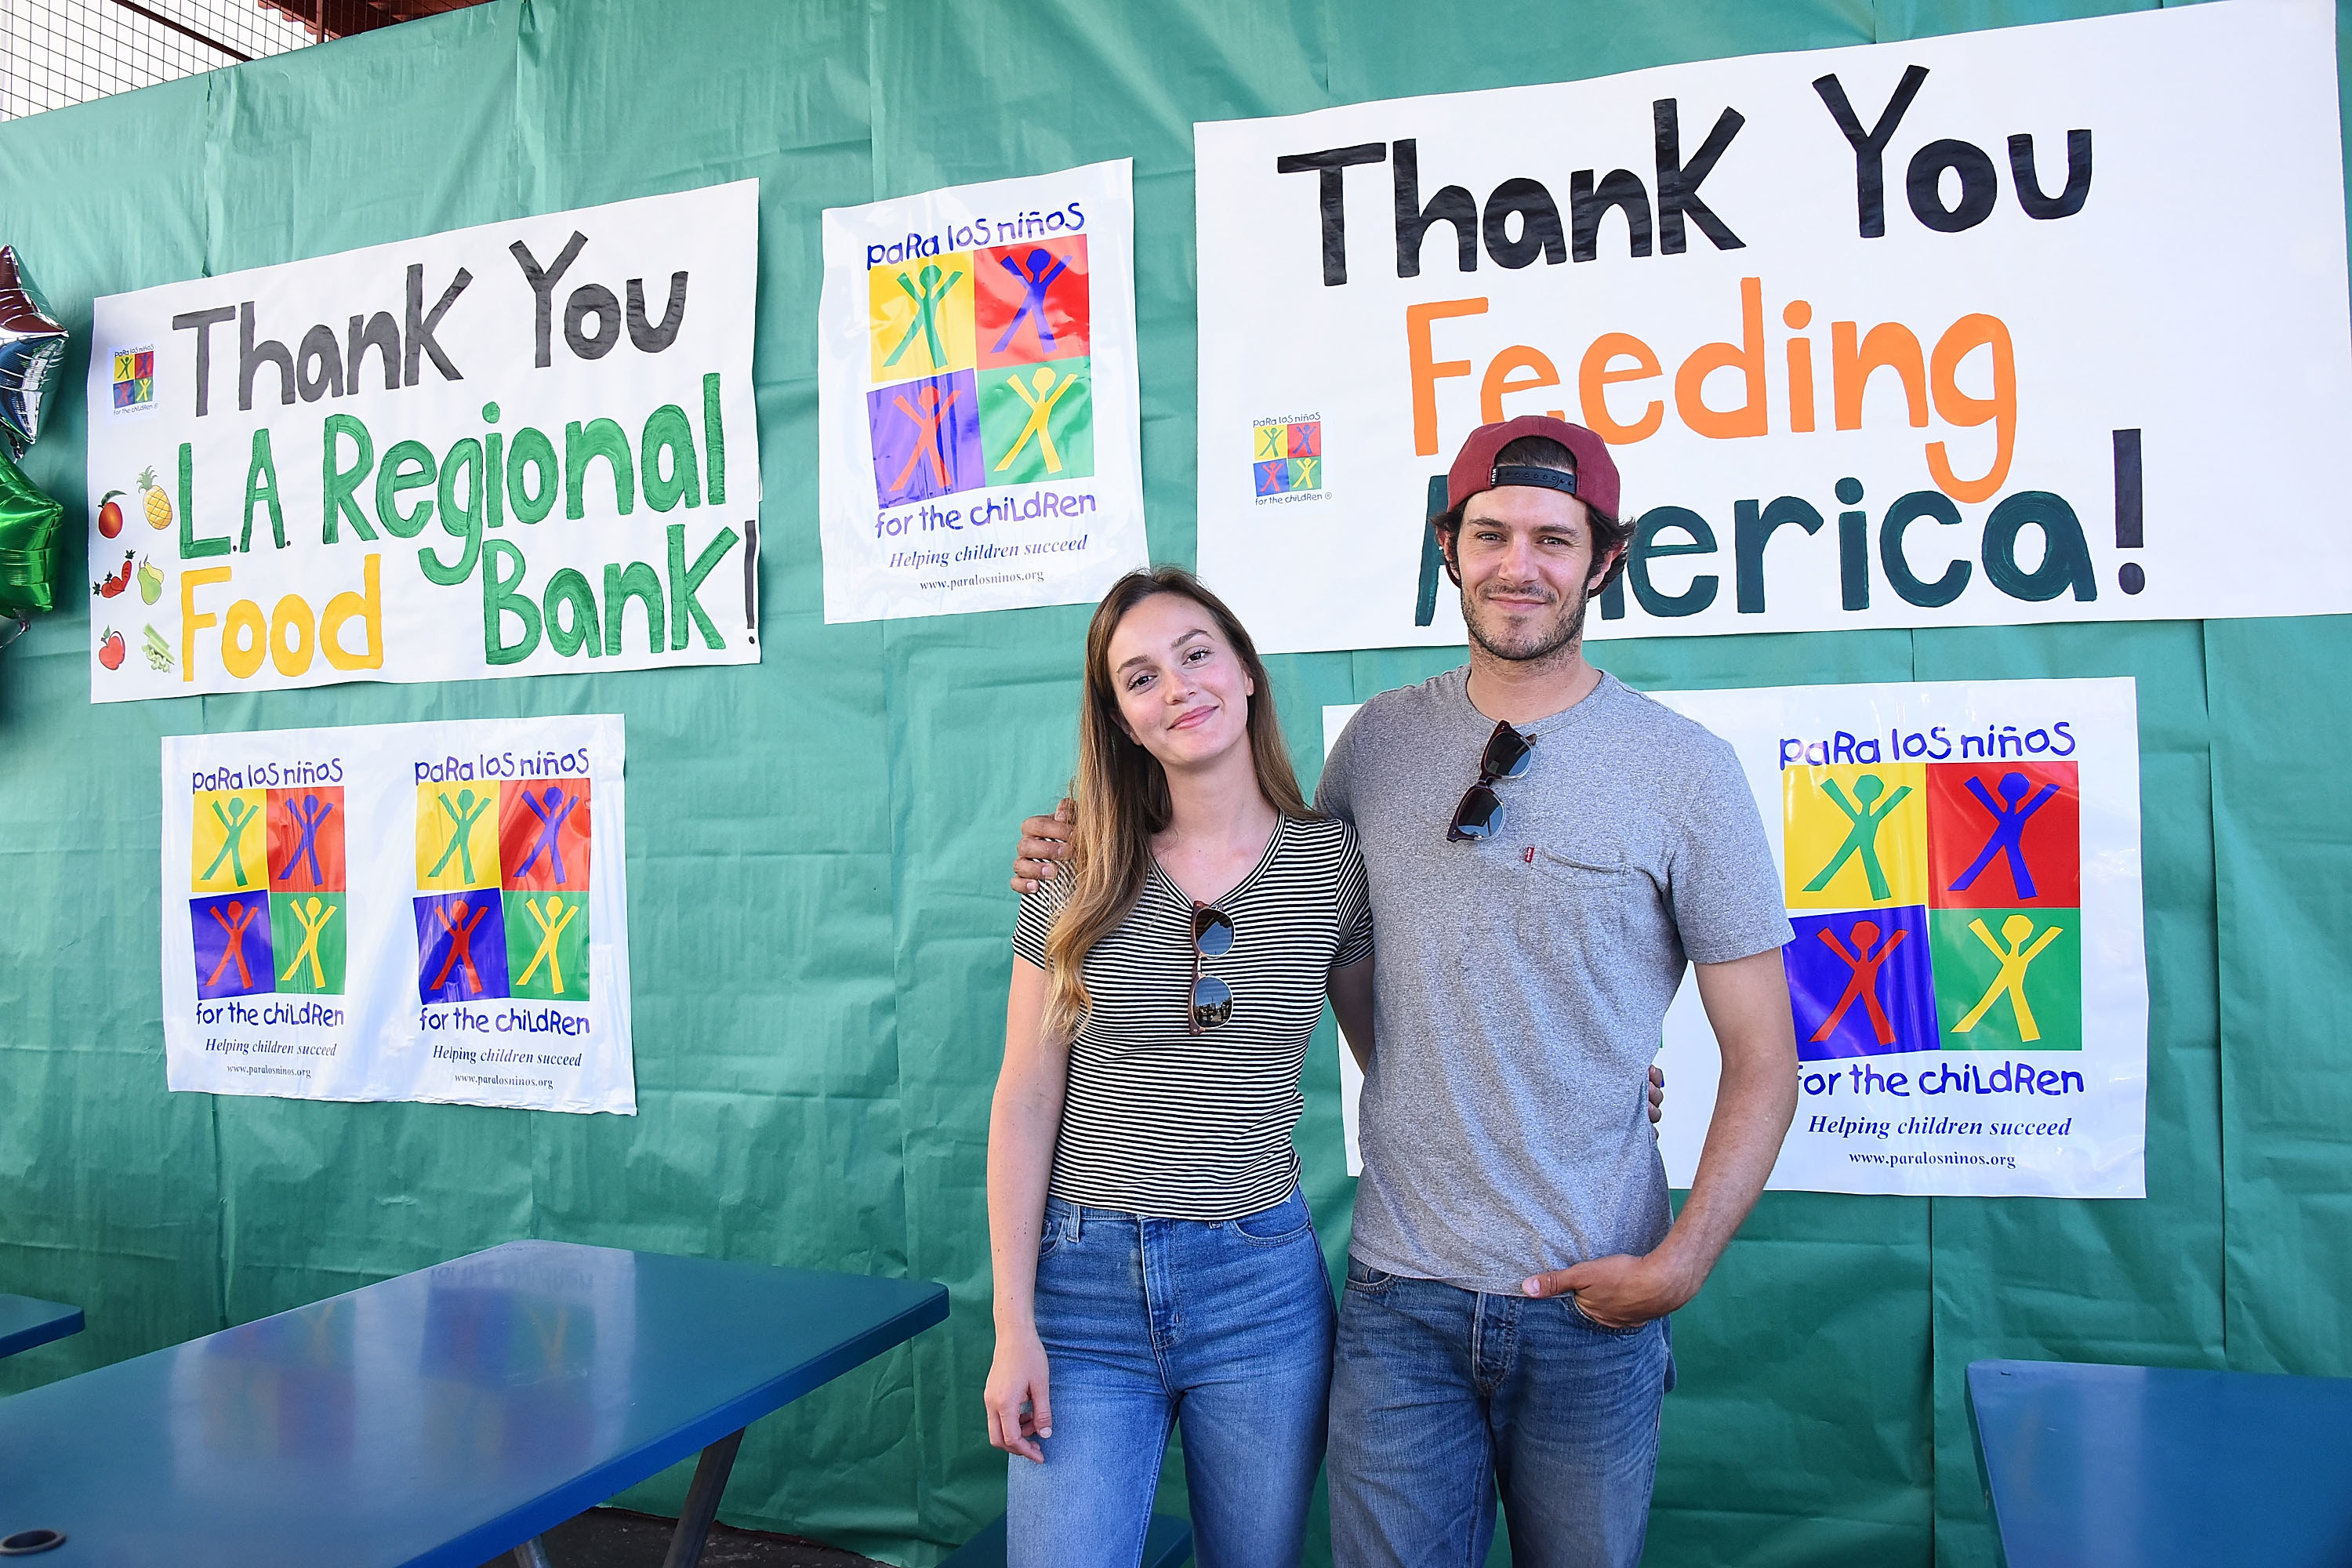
[(515, 449), (1968, 978), (977, 403), (399, 911), (1988, 329)]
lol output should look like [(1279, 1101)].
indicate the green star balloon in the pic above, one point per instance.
[(31, 552)]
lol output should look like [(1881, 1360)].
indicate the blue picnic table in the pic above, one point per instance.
[(438, 1420), (2142, 1467), (26, 1323)]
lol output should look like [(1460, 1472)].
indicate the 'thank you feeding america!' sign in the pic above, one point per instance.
[(2032, 324), (513, 450), (976, 397)]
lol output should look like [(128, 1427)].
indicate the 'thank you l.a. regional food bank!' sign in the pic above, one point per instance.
[(514, 449), (2033, 324)]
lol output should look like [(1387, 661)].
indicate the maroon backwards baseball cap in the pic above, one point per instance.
[(1474, 470)]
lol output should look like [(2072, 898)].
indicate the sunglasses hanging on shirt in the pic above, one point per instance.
[(1213, 936), (1506, 756)]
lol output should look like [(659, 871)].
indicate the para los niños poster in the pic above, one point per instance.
[(433, 911), (980, 445), (1968, 981)]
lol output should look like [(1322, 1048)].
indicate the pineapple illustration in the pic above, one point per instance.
[(159, 505)]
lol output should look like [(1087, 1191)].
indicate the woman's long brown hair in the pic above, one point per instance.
[(1121, 791)]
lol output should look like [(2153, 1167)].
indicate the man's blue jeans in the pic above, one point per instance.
[(1147, 1322), (1440, 1397)]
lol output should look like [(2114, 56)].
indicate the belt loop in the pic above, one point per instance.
[(1077, 1221)]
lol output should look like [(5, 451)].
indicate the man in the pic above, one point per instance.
[(1514, 1257)]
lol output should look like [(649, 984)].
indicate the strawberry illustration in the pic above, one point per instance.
[(110, 649)]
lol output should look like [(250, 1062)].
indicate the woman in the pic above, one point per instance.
[(1155, 1263)]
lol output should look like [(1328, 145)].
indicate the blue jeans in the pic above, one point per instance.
[(1440, 1396), (1225, 1329)]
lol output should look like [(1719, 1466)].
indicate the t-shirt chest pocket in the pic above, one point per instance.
[(1594, 866), (1581, 890)]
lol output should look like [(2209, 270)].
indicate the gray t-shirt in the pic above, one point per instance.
[(1523, 979)]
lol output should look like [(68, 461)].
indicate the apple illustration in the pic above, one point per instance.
[(110, 650), (151, 581)]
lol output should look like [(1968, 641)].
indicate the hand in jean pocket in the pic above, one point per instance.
[(1617, 1292)]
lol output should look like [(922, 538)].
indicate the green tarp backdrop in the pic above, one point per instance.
[(818, 854)]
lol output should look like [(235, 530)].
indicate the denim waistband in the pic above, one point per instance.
[(1071, 1217)]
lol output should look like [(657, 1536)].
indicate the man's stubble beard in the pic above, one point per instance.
[(1566, 636)]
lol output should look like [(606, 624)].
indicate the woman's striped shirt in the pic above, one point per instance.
[(1159, 1121)]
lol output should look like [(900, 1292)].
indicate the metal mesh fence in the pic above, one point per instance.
[(56, 52)]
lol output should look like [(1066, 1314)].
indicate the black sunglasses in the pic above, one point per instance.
[(1213, 936), (1481, 812)]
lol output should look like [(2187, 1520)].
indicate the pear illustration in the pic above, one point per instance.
[(151, 581)]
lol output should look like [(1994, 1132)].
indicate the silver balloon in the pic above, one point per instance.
[(32, 347)]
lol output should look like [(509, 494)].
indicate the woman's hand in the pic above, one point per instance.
[(1017, 1378), (1023, 1122)]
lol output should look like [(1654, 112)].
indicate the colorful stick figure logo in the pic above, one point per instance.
[(1033, 302), (266, 844), (547, 945), (231, 935), (305, 840), (1957, 891), (2001, 835), (230, 852), (1288, 457), (1861, 838), (1860, 984), (1855, 835), (919, 317), (2009, 979), (1022, 315), (133, 378), (543, 846), (457, 835), (1036, 422), (925, 438), (461, 947), (310, 942), (544, 835), (1035, 274), (517, 857)]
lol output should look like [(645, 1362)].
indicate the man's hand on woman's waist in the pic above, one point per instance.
[(1044, 844)]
